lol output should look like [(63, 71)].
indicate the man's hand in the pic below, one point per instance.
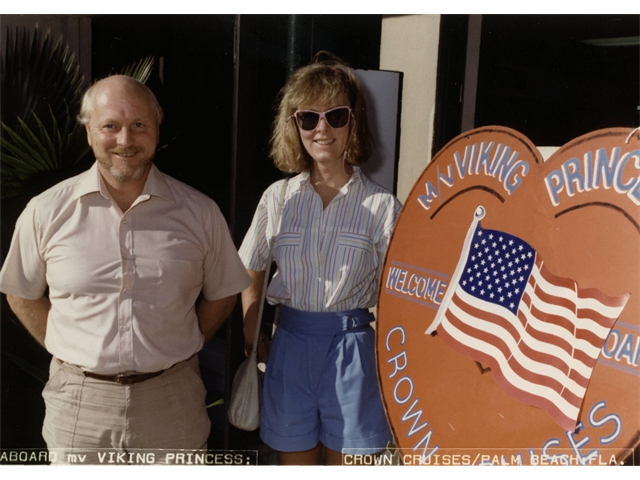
[(33, 314)]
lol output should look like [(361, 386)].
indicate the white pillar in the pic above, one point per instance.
[(409, 44)]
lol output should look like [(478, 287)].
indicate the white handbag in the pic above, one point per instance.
[(246, 390)]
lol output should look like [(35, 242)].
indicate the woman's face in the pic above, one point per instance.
[(326, 144)]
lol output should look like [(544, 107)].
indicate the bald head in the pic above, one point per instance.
[(114, 85)]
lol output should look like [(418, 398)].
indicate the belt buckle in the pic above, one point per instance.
[(124, 378)]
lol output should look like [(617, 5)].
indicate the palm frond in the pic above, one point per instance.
[(141, 70), (38, 75), (32, 151), (40, 98)]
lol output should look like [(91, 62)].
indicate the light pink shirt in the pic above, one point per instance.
[(123, 287)]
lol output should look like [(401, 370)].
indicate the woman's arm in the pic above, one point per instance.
[(250, 305)]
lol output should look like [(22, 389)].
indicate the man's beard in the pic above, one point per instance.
[(125, 172)]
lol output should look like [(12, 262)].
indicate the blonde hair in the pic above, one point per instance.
[(321, 82)]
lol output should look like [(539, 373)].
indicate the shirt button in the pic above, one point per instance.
[(125, 328)]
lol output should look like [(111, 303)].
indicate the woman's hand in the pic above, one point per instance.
[(264, 345)]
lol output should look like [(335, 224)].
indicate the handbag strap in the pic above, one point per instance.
[(283, 190)]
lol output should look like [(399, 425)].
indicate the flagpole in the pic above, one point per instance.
[(477, 216)]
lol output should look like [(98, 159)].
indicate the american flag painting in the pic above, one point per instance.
[(540, 334)]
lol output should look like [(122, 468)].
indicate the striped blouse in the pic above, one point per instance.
[(329, 260)]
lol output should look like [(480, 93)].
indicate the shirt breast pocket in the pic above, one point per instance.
[(287, 240), (286, 250), (356, 251), (356, 241)]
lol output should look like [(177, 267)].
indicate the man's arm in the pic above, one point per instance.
[(33, 314), (212, 314)]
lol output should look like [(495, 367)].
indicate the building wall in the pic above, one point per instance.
[(409, 44)]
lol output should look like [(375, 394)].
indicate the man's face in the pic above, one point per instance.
[(122, 130)]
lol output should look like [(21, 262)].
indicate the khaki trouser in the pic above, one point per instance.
[(94, 420)]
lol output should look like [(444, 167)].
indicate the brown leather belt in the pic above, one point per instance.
[(125, 378)]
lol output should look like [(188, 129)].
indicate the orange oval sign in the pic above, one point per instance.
[(508, 324)]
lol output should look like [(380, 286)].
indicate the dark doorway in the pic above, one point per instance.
[(556, 77), (551, 77)]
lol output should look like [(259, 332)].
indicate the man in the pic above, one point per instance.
[(125, 252)]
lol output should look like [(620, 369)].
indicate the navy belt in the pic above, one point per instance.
[(323, 323)]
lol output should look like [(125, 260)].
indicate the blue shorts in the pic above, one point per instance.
[(321, 384)]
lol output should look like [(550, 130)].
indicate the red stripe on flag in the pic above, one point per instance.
[(559, 342), (584, 296), (613, 302), (535, 400), (525, 348), (466, 326), (595, 316), (549, 318), (552, 299)]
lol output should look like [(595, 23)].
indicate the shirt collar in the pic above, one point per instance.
[(91, 182), (156, 184), (304, 178), (356, 176)]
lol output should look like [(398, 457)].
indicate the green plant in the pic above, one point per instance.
[(141, 70), (41, 91), (28, 152), (40, 88), (38, 75)]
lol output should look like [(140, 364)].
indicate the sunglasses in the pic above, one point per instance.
[(336, 118)]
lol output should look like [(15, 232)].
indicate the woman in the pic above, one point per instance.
[(320, 387)]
